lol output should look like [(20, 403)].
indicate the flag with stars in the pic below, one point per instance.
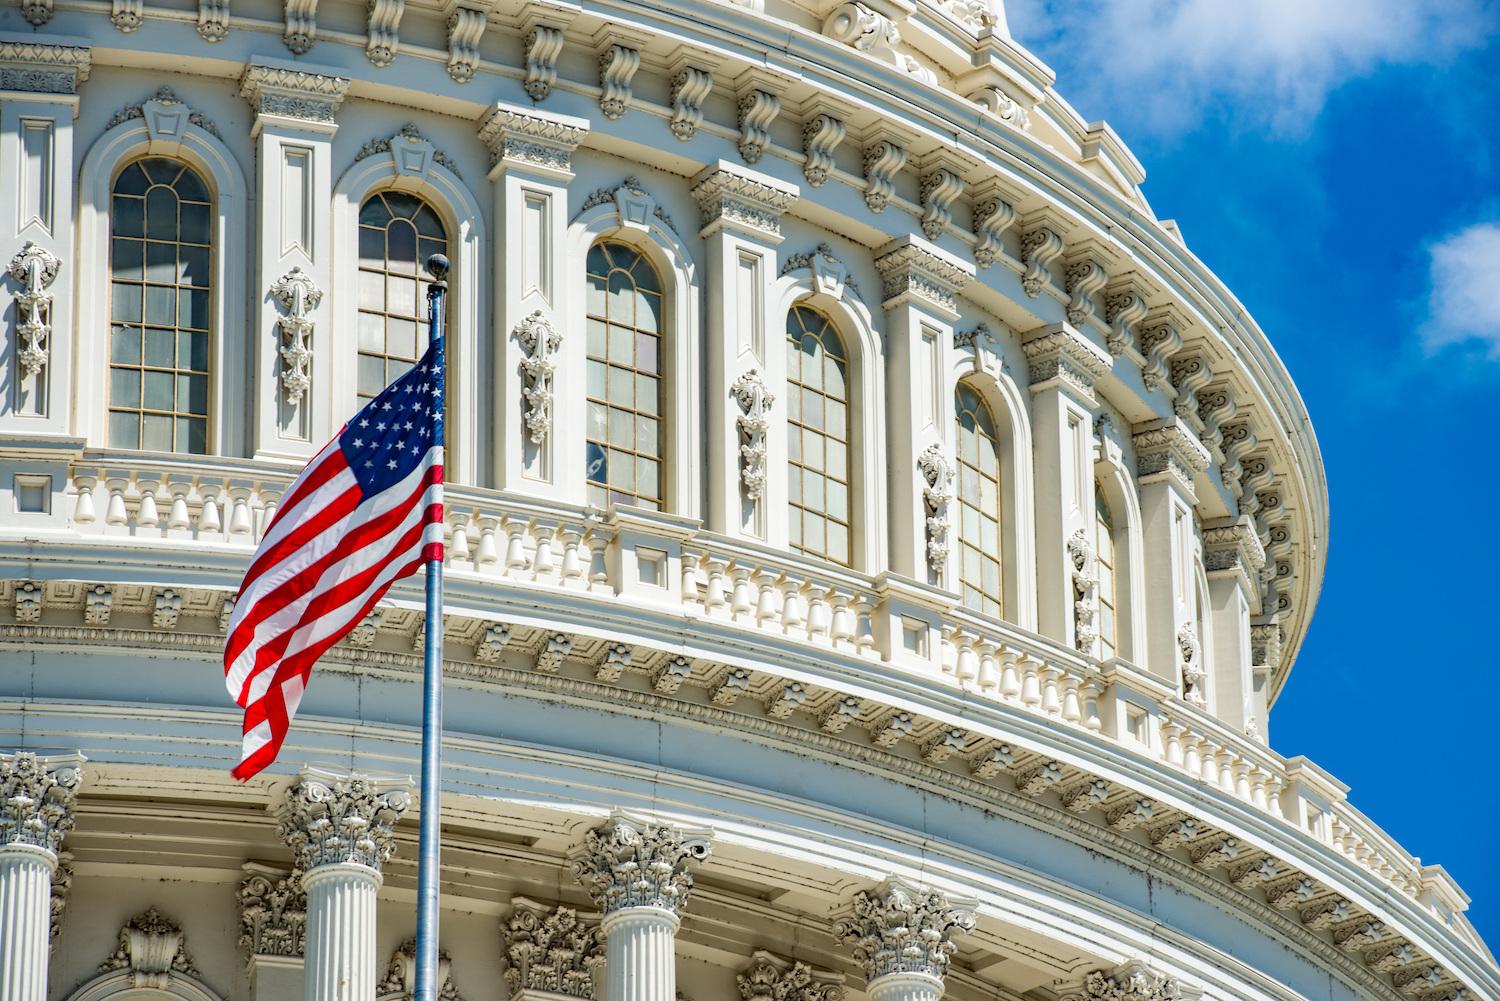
[(367, 511)]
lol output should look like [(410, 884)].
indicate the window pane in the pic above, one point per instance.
[(126, 306), (126, 259), (161, 214), (817, 435), (129, 218), (195, 223), (160, 347), (156, 433), (157, 394), (124, 429), (391, 298), (161, 304), (981, 579), (125, 387), (125, 345)]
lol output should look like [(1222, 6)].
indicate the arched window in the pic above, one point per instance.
[(624, 450), (1109, 599), (161, 290), (817, 369), (397, 233), (979, 556)]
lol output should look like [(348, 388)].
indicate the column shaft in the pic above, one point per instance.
[(905, 987), (640, 954), (341, 964), (25, 918)]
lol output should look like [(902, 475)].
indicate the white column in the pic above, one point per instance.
[(40, 83), (36, 810), (903, 937), (742, 212), (1063, 366), (637, 873), (540, 354), (1232, 558), (1168, 458), (919, 291), (341, 830), (303, 380)]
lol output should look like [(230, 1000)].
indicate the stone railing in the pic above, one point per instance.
[(667, 563)]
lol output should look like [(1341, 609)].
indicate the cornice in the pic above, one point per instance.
[(730, 196), (538, 140), (278, 93), (43, 67), (914, 270)]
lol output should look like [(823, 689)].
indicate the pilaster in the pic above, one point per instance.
[(539, 374), (302, 392), (920, 284), (37, 796), (273, 930), (903, 937), (1063, 366), (741, 211), (1168, 459), (551, 951), (38, 101), (637, 871), (341, 829), (1232, 558)]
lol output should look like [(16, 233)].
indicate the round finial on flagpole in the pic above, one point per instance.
[(437, 266)]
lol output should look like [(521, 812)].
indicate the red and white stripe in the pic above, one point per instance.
[(327, 557)]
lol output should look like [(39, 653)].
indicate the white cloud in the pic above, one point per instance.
[(1463, 304), (1269, 63)]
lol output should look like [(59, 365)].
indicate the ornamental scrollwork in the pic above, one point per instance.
[(411, 134), (1190, 662), (1085, 575), (298, 295), (937, 494), (273, 913), (553, 951), (1131, 982), (770, 978), (540, 342), (899, 928), (36, 798), (754, 420), (152, 948), (631, 862), (330, 819), (400, 980), (35, 268)]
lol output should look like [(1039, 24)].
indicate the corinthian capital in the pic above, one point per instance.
[(330, 818), (36, 798), (630, 862), (898, 928)]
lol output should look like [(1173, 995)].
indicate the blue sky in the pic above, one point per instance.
[(1337, 162)]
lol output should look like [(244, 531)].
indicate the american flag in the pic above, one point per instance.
[(367, 511)]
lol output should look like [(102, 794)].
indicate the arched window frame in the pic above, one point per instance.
[(120, 985), (467, 357), (1112, 477), (959, 541), (629, 216), (169, 135), (982, 368), (828, 292)]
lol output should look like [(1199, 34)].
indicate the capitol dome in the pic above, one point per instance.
[(875, 543)]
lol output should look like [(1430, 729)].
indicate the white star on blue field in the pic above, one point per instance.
[(1337, 163)]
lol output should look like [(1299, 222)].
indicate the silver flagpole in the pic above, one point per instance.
[(429, 850)]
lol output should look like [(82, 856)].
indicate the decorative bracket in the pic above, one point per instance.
[(937, 493), (540, 341), (298, 295), (754, 400), (36, 269)]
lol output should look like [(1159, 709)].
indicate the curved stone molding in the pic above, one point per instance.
[(34, 269), (400, 980), (771, 978), (754, 420), (329, 818), (153, 949), (273, 912), (37, 796), (551, 950), (937, 494), (540, 342), (631, 862), (899, 929), (297, 295)]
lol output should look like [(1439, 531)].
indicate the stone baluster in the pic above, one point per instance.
[(488, 553), (341, 829), (638, 874), (716, 596), (1010, 678), (37, 795), (903, 937)]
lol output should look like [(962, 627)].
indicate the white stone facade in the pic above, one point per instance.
[(930, 655)]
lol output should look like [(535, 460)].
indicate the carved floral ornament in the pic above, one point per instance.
[(162, 113), (330, 819), (631, 862), (551, 950), (35, 269), (36, 798), (754, 420), (1085, 574), (1191, 665), (937, 494), (152, 949), (298, 295), (540, 342), (273, 913), (1131, 982), (410, 149), (899, 928), (400, 980), (770, 978)]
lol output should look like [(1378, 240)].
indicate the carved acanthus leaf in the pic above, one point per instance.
[(630, 862)]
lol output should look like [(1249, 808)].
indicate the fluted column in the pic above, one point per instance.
[(341, 830), (903, 936), (637, 873), (36, 810)]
